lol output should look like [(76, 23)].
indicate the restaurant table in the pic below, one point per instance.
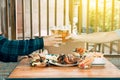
[(24, 70)]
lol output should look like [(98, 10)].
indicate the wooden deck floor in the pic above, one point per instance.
[(6, 69)]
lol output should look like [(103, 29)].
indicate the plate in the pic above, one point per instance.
[(101, 65), (61, 65), (52, 57), (98, 62)]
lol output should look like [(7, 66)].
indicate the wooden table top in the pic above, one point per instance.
[(24, 70)]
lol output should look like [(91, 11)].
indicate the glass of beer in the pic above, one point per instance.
[(60, 31), (55, 31), (64, 33)]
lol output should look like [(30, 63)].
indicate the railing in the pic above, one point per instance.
[(28, 17), (85, 11), (41, 15)]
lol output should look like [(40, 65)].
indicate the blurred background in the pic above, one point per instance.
[(23, 19)]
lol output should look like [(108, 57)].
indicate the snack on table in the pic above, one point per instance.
[(86, 63), (90, 59), (38, 60), (67, 59), (80, 51), (83, 59)]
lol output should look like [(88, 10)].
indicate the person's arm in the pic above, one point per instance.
[(98, 37), (10, 49)]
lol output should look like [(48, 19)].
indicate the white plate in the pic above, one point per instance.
[(61, 65), (102, 65), (52, 56), (98, 61)]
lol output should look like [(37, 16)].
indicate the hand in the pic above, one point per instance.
[(75, 37), (52, 40)]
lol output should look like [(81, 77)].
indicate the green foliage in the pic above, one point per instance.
[(108, 19)]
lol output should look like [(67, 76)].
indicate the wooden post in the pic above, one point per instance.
[(13, 18), (23, 27), (7, 18), (48, 17)]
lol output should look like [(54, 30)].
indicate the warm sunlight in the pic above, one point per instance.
[(59, 39), (103, 15)]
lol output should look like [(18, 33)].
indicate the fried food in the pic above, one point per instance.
[(80, 51), (67, 59), (38, 60)]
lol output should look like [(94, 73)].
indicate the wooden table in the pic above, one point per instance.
[(23, 70)]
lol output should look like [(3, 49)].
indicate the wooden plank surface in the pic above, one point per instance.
[(23, 70)]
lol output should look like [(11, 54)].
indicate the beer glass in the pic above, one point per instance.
[(64, 33), (55, 31), (60, 31)]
